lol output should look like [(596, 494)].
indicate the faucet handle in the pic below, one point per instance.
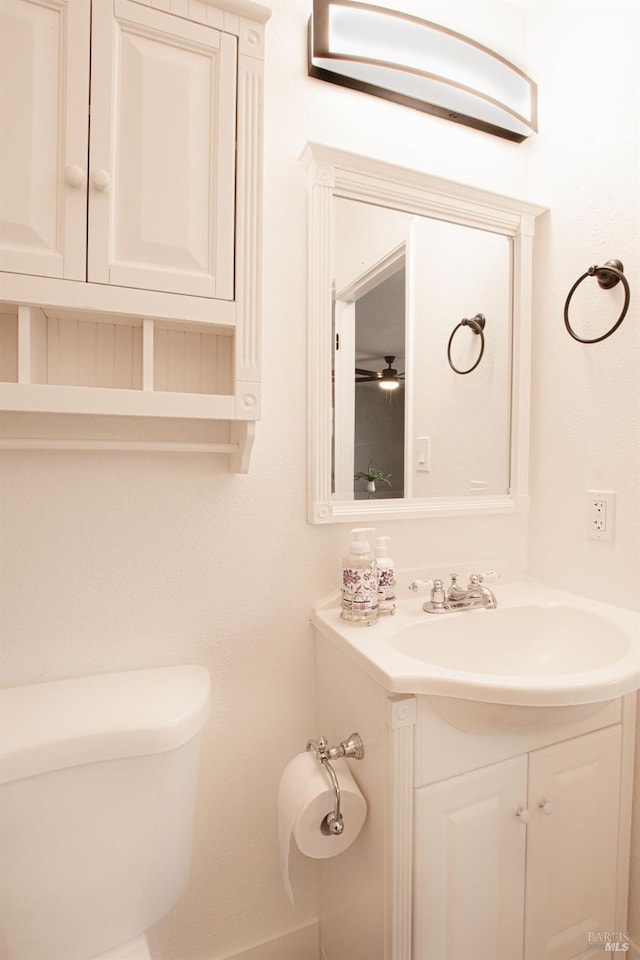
[(437, 590), (477, 578), (419, 585)]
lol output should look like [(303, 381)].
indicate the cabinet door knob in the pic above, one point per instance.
[(546, 806), (524, 814), (75, 176), (100, 179)]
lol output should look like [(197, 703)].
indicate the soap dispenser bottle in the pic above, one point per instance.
[(359, 580), (386, 577)]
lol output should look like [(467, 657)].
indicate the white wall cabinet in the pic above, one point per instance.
[(529, 844), (44, 76), (147, 200), (130, 200), (162, 152)]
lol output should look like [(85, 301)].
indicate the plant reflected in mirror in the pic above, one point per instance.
[(372, 475)]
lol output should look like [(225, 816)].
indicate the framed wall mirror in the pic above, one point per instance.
[(419, 343)]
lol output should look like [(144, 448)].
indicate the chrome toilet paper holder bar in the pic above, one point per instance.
[(353, 748)]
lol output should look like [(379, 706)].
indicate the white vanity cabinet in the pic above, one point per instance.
[(130, 199), (508, 840), (469, 865), (573, 847), (527, 844)]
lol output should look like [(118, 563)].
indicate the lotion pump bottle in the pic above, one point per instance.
[(386, 577), (360, 580)]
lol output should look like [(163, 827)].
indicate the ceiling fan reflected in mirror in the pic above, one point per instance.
[(387, 379)]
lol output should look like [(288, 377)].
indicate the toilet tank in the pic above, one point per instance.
[(98, 780)]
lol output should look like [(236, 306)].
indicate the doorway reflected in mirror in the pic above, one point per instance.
[(379, 411)]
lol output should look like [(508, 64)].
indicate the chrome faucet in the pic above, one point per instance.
[(475, 595)]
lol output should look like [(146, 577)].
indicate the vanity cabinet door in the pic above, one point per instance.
[(44, 117), (162, 152), (572, 851), (469, 865)]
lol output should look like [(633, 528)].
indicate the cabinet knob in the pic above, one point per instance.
[(546, 806), (524, 815), (100, 179), (75, 176)]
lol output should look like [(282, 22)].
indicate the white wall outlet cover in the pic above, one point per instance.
[(601, 514)]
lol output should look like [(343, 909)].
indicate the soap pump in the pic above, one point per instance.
[(386, 577), (360, 580)]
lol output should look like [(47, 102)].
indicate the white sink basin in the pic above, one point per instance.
[(525, 641), (541, 647)]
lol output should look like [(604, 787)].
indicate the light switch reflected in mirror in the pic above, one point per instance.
[(399, 261)]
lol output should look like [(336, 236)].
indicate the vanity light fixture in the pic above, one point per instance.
[(420, 64)]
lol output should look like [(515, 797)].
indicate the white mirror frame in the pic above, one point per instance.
[(336, 173)]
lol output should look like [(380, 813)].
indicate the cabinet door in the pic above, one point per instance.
[(162, 153), (44, 105), (572, 848), (469, 865)]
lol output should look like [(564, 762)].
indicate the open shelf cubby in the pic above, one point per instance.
[(60, 361)]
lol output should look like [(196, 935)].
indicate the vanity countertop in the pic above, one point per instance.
[(540, 647)]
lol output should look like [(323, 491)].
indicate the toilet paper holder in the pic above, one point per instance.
[(352, 747)]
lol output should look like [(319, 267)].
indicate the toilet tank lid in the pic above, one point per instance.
[(66, 723)]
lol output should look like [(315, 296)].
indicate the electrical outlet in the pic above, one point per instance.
[(601, 514), (599, 518)]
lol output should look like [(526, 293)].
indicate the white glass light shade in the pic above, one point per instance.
[(389, 384), (422, 65)]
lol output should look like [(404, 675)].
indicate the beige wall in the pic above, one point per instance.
[(117, 561), (459, 272), (585, 166)]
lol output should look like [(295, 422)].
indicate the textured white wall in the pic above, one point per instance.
[(116, 561), (458, 272), (585, 166), (364, 234)]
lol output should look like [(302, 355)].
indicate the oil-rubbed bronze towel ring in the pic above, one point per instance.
[(607, 276), (476, 324)]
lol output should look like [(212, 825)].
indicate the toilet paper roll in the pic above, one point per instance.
[(305, 798)]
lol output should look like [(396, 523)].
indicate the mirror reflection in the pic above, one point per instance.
[(409, 421)]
